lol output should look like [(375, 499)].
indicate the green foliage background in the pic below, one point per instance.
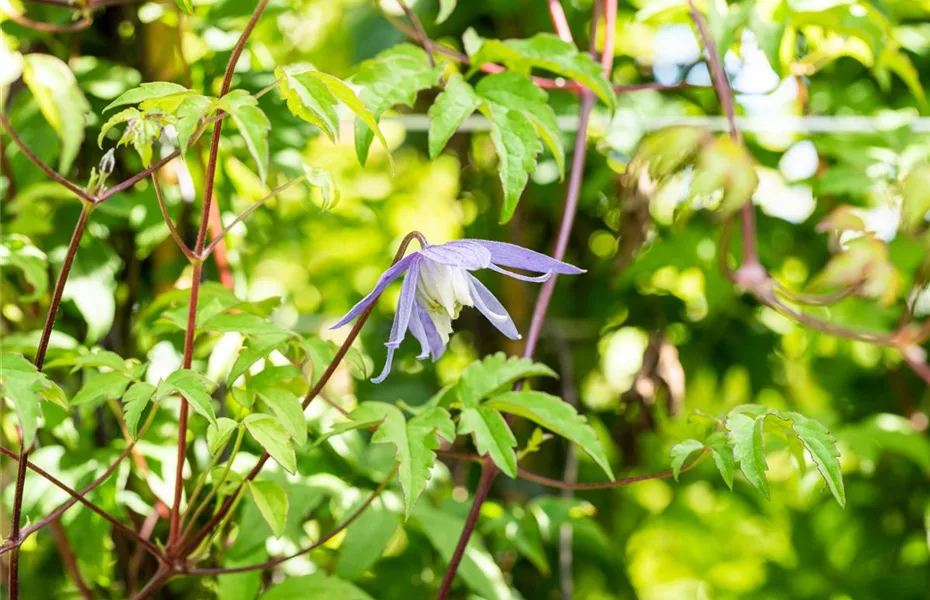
[(646, 339)]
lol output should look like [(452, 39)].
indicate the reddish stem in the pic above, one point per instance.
[(557, 13), (67, 556)]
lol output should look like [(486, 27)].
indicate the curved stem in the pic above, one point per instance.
[(216, 486), (171, 228), (80, 25)]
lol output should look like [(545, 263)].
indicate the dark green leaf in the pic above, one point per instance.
[(495, 373), (456, 102), (105, 386), (312, 587), (135, 400), (25, 387)]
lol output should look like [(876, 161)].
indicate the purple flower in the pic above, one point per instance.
[(439, 284)]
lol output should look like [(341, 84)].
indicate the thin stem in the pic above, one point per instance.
[(194, 542), (570, 471), (255, 205), (161, 576), (67, 556), (557, 13), (171, 228), (418, 28), (216, 486), (277, 561), (80, 193), (174, 521), (80, 25)]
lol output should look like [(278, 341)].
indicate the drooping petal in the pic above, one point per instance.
[(433, 339), (404, 306), (460, 253), (416, 328), (492, 309), (510, 255), (386, 278), (542, 278), (387, 366)]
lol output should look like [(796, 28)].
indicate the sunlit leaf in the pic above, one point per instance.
[(252, 124), (286, 407), (318, 585), (18, 251), (271, 501), (219, 433), (25, 387), (744, 434), (455, 104), (148, 91), (136, 398), (191, 385), (271, 436), (323, 179), (491, 435), (494, 373), (680, 453)]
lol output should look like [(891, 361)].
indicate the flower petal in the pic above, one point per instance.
[(433, 339), (492, 309), (416, 328), (510, 255), (386, 278), (387, 366), (544, 277), (460, 253), (404, 306)]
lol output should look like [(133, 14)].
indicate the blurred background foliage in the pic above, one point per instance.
[(651, 335)]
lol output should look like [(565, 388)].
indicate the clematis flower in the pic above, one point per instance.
[(439, 284)]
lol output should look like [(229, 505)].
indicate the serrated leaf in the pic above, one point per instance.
[(286, 407), (414, 442), (367, 117), (24, 387), (446, 8), (119, 118), (271, 436), (191, 385), (310, 587), (323, 179), (340, 428), (308, 98), (680, 453), (491, 435), (495, 373), (135, 400), (271, 501), (19, 252), (148, 91), (557, 416), (517, 144), (192, 111), (105, 386), (723, 456), (517, 92), (821, 444), (256, 347), (546, 51), (455, 104), (252, 124), (60, 101), (744, 434), (393, 77), (219, 433)]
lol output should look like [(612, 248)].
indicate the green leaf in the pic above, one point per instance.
[(105, 386), (916, 197), (340, 428), (135, 400), (252, 124), (95, 358), (18, 251), (60, 100), (546, 51), (119, 118), (491, 436), (680, 453), (186, 6), (271, 436), (219, 433), (312, 587), (723, 456), (148, 91), (744, 434), (446, 8), (555, 415), (368, 119), (191, 385), (455, 104), (821, 445), (414, 442), (494, 373), (517, 144), (308, 98), (725, 164), (192, 111), (323, 179), (25, 387), (244, 323), (271, 501), (286, 407), (518, 92), (393, 77), (256, 347), (366, 540)]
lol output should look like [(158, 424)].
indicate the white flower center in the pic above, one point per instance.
[(443, 291)]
